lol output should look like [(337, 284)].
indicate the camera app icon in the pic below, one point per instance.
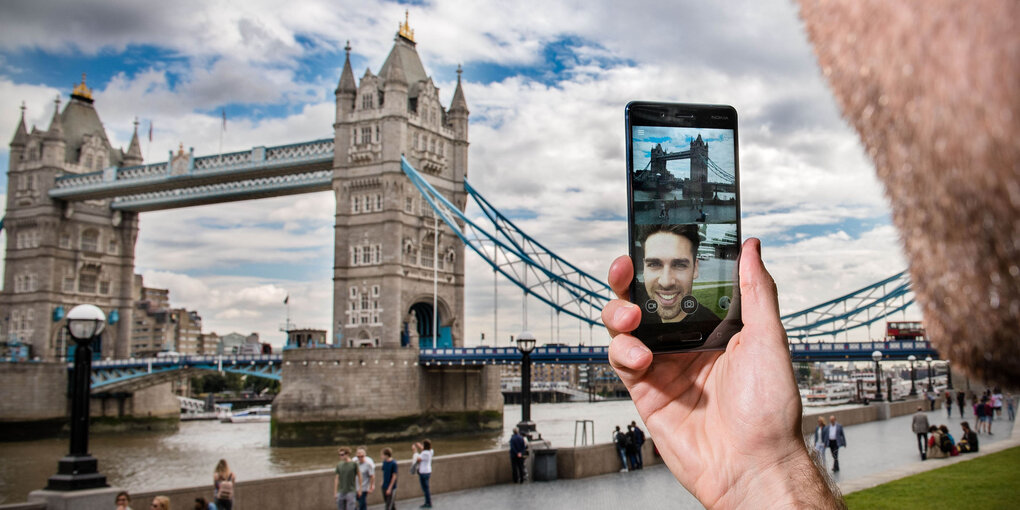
[(688, 304), (651, 306)]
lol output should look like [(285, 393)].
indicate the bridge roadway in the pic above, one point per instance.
[(118, 375)]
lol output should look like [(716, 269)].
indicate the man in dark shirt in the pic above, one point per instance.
[(346, 480), (639, 441), (389, 478), (969, 442), (517, 448)]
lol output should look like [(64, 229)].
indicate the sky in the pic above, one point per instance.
[(546, 84)]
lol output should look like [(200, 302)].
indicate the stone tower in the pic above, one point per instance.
[(61, 254), (385, 237)]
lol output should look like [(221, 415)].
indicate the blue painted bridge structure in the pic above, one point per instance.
[(117, 375)]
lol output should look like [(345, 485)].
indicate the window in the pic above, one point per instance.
[(99, 162), (68, 284), (408, 204), (90, 240), (427, 255), (414, 141), (366, 135), (356, 205), (112, 247), (357, 255), (378, 202), (354, 319), (375, 291), (366, 101), (432, 145), (377, 134), (440, 147), (88, 161), (354, 292), (65, 240), (354, 136), (364, 301), (378, 254), (87, 283), (104, 287)]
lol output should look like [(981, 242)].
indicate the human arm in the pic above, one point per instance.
[(357, 483), (371, 481), (336, 486), (393, 481), (726, 423)]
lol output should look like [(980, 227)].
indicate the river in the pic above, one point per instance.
[(148, 461)]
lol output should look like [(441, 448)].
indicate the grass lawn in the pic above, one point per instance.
[(992, 481)]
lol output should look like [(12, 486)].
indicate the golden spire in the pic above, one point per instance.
[(82, 90), (405, 28)]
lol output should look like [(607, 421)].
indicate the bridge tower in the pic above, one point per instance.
[(385, 237), (60, 254), (699, 168)]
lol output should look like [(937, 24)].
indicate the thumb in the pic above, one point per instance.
[(759, 301)]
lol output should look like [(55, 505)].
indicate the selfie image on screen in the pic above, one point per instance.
[(685, 211)]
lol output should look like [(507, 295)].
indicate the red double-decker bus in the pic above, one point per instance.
[(905, 330)]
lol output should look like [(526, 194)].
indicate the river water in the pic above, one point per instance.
[(151, 461)]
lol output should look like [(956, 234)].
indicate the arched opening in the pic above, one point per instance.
[(420, 323)]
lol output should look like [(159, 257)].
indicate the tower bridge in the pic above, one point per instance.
[(397, 165)]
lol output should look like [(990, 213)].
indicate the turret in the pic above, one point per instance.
[(19, 140), (134, 152), (458, 118), (346, 89), (53, 141)]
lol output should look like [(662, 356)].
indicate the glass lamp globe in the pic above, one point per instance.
[(85, 322), (526, 342)]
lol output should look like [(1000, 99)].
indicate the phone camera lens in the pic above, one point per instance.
[(661, 115)]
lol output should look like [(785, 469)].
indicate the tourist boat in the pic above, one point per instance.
[(829, 394), (252, 414)]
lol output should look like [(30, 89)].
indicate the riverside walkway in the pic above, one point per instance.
[(876, 452)]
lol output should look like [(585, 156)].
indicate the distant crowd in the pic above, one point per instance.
[(628, 447), (937, 441)]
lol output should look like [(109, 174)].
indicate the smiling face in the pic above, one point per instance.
[(670, 268)]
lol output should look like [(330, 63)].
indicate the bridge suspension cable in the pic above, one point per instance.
[(860, 308), (517, 256)]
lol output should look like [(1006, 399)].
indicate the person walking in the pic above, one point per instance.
[(389, 479), (346, 480), (931, 397), (820, 441), (1011, 406), (920, 427), (996, 403), (517, 447), (366, 468), (123, 500), (834, 435), (639, 441), (160, 503), (979, 414), (223, 485), (948, 402), (960, 397), (423, 457), (621, 446)]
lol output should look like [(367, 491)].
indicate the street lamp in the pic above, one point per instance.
[(949, 376), (913, 389), (877, 356), (79, 470), (931, 387), (526, 344)]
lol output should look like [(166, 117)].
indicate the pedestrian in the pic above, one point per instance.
[(223, 485), (639, 439), (979, 414), (160, 503), (630, 446), (123, 500), (834, 434), (938, 443), (1011, 406), (986, 402), (997, 402), (389, 477), (969, 440), (203, 504), (949, 404), (931, 397), (960, 396), (920, 427), (820, 441), (517, 447), (423, 457), (366, 467), (621, 447), (346, 480)]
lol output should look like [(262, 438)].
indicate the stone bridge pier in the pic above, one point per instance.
[(351, 396)]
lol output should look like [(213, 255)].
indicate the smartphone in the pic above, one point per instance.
[(683, 207)]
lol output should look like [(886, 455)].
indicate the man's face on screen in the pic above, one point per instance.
[(670, 267)]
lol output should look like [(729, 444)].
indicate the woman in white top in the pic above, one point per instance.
[(423, 458)]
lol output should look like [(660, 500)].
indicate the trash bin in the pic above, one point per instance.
[(545, 464)]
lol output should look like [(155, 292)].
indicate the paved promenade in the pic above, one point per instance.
[(877, 452)]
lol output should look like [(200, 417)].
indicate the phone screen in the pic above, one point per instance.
[(684, 208)]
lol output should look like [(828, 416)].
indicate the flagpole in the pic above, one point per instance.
[(435, 276)]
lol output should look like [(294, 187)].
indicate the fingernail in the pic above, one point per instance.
[(622, 312), (635, 353)]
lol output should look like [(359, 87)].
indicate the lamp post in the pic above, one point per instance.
[(877, 356), (526, 344), (913, 389), (931, 387), (79, 470), (949, 376)]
